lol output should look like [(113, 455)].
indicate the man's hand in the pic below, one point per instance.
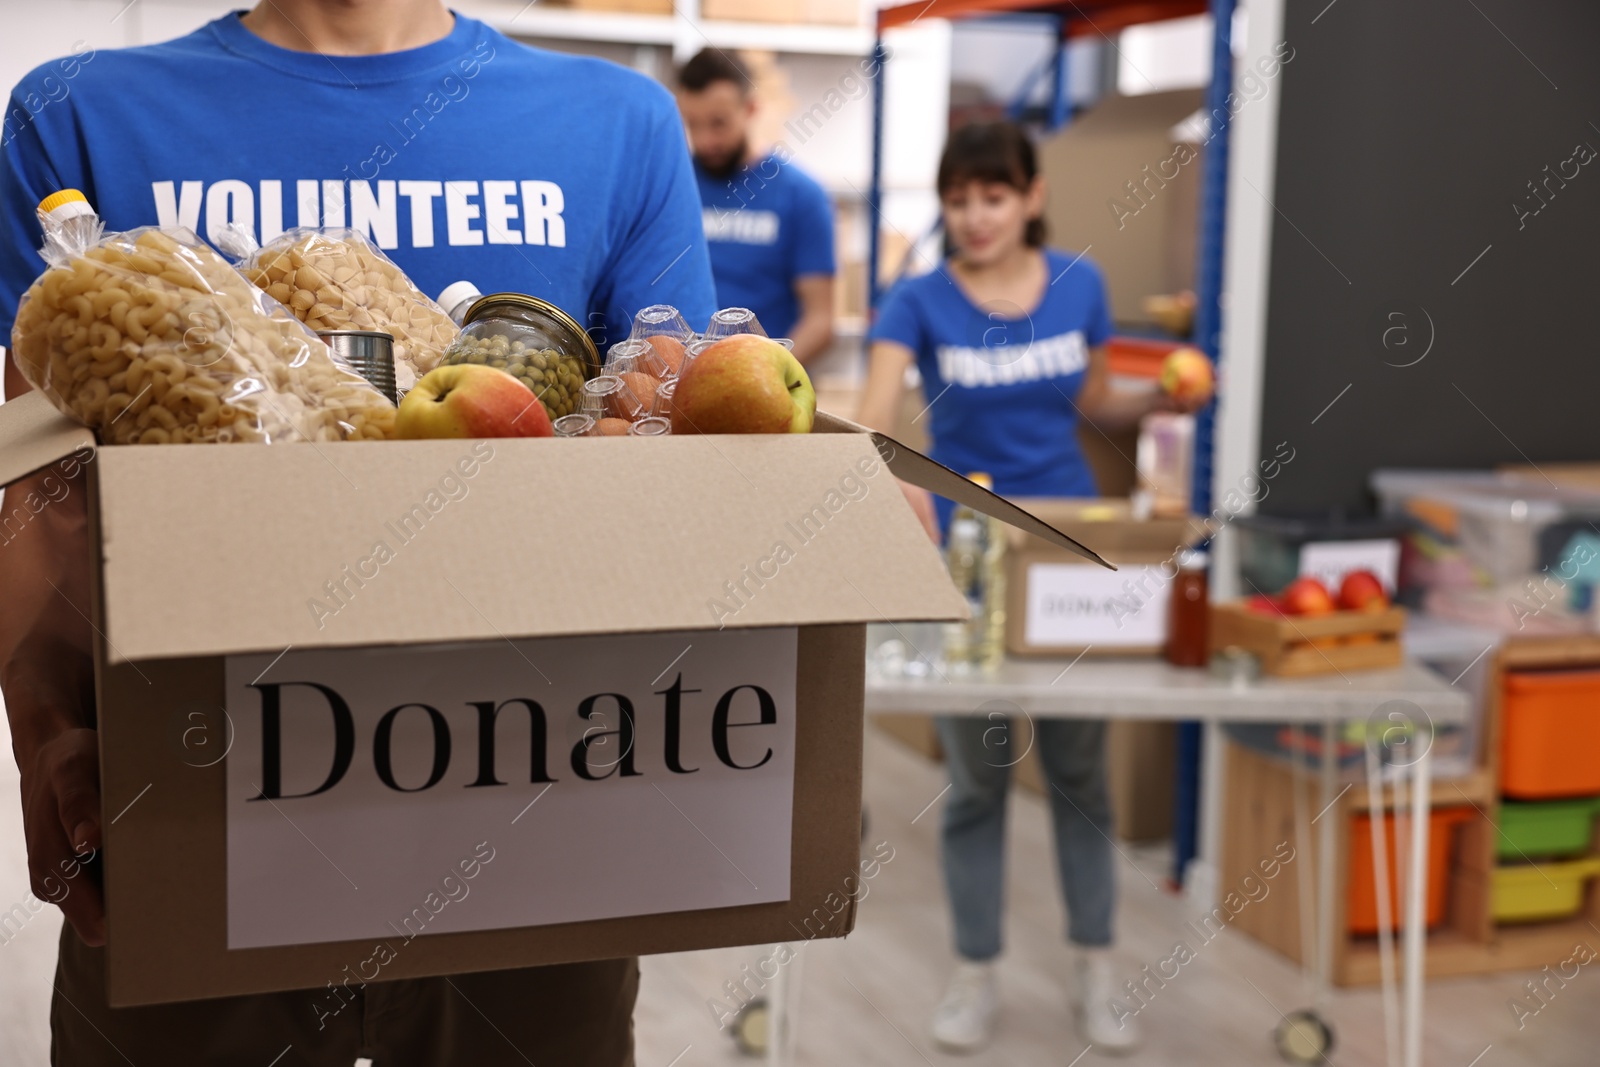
[(61, 822), (921, 502)]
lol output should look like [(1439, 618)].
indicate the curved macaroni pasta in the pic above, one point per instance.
[(149, 338)]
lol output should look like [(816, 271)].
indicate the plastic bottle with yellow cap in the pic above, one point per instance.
[(70, 225)]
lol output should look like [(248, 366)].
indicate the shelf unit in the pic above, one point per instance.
[(684, 31), (1259, 811)]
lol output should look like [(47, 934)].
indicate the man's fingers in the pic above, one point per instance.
[(85, 909), (78, 804)]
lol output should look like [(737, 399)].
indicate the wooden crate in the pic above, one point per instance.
[(1310, 644)]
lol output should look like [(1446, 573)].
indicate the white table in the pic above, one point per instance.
[(1151, 689)]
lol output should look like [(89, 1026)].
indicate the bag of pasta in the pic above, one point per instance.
[(151, 337), (335, 279)]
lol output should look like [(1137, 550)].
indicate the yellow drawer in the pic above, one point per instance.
[(1531, 892)]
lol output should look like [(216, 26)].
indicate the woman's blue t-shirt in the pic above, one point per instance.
[(1002, 384)]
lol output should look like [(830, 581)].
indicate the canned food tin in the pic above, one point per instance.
[(369, 353)]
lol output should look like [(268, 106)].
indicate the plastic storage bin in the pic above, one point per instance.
[(1505, 526), (1362, 891), (1550, 828), (1270, 546), (1550, 734), (1534, 891)]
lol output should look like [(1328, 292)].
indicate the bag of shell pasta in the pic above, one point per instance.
[(335, 279)]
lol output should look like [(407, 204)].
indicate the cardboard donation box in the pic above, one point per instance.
[(1057, 604), (382, 710)]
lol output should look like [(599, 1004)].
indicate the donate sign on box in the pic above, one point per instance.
[(574, 778), (1073, 605)]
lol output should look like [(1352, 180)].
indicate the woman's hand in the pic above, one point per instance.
[(921, 502)]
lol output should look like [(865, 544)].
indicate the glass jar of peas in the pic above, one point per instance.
[(533, 341)]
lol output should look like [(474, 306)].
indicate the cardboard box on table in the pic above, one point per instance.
[(1056, 606), (223, 573)]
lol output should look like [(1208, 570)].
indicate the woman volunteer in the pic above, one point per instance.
[(1007, 337)]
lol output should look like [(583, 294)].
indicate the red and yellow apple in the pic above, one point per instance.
[(1362, 590), (744, 384), (471, 400), (1186, 375), (1306, 596)]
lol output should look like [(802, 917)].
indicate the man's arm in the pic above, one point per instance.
[(813, 330), (47, 674)]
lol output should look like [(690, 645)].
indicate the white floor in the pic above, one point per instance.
[(865, 1000)]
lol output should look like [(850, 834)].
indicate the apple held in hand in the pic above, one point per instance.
[(1186, 375), (1306, 596), (471, 400), (1362, 591), (744, 384)]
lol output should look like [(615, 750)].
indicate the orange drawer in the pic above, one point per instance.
[(1550, 734), (1363, 890)]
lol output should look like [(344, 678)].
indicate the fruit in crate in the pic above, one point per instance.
[(1362, 591), (744, 384), (471, 400), (1307, 596), (1262, 604), (1186, 375)]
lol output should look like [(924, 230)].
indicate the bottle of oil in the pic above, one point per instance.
[(975, 554)]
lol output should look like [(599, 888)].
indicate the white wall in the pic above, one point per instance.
[(36, 32)]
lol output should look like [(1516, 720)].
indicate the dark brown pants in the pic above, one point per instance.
[(574, 1015)]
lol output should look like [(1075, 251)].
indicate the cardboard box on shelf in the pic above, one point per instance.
[(337, 682), (632, 7), (1054, 606), (800, 12)]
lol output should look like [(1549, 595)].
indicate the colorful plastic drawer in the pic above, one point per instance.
[(1550, 734), (1534, 891), (1362, 903), (1545, 828)]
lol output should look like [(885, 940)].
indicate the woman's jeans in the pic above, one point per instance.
[(980, 753)]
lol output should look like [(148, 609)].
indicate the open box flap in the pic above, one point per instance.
[(209, 551), (912, 466), (33, 435)]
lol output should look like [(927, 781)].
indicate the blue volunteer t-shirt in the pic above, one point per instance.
[(1002, 384), (767, 226), (473, 158)]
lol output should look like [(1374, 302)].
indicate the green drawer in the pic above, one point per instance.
[(1547, 828)]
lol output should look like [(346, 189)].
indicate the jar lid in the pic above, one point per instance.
[(485, 306)]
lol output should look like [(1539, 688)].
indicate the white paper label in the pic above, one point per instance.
[(367, 798), (1330, 561), (1072, 605)]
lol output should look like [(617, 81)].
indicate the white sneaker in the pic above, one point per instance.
[(1099, 1023), (965, 1019)]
